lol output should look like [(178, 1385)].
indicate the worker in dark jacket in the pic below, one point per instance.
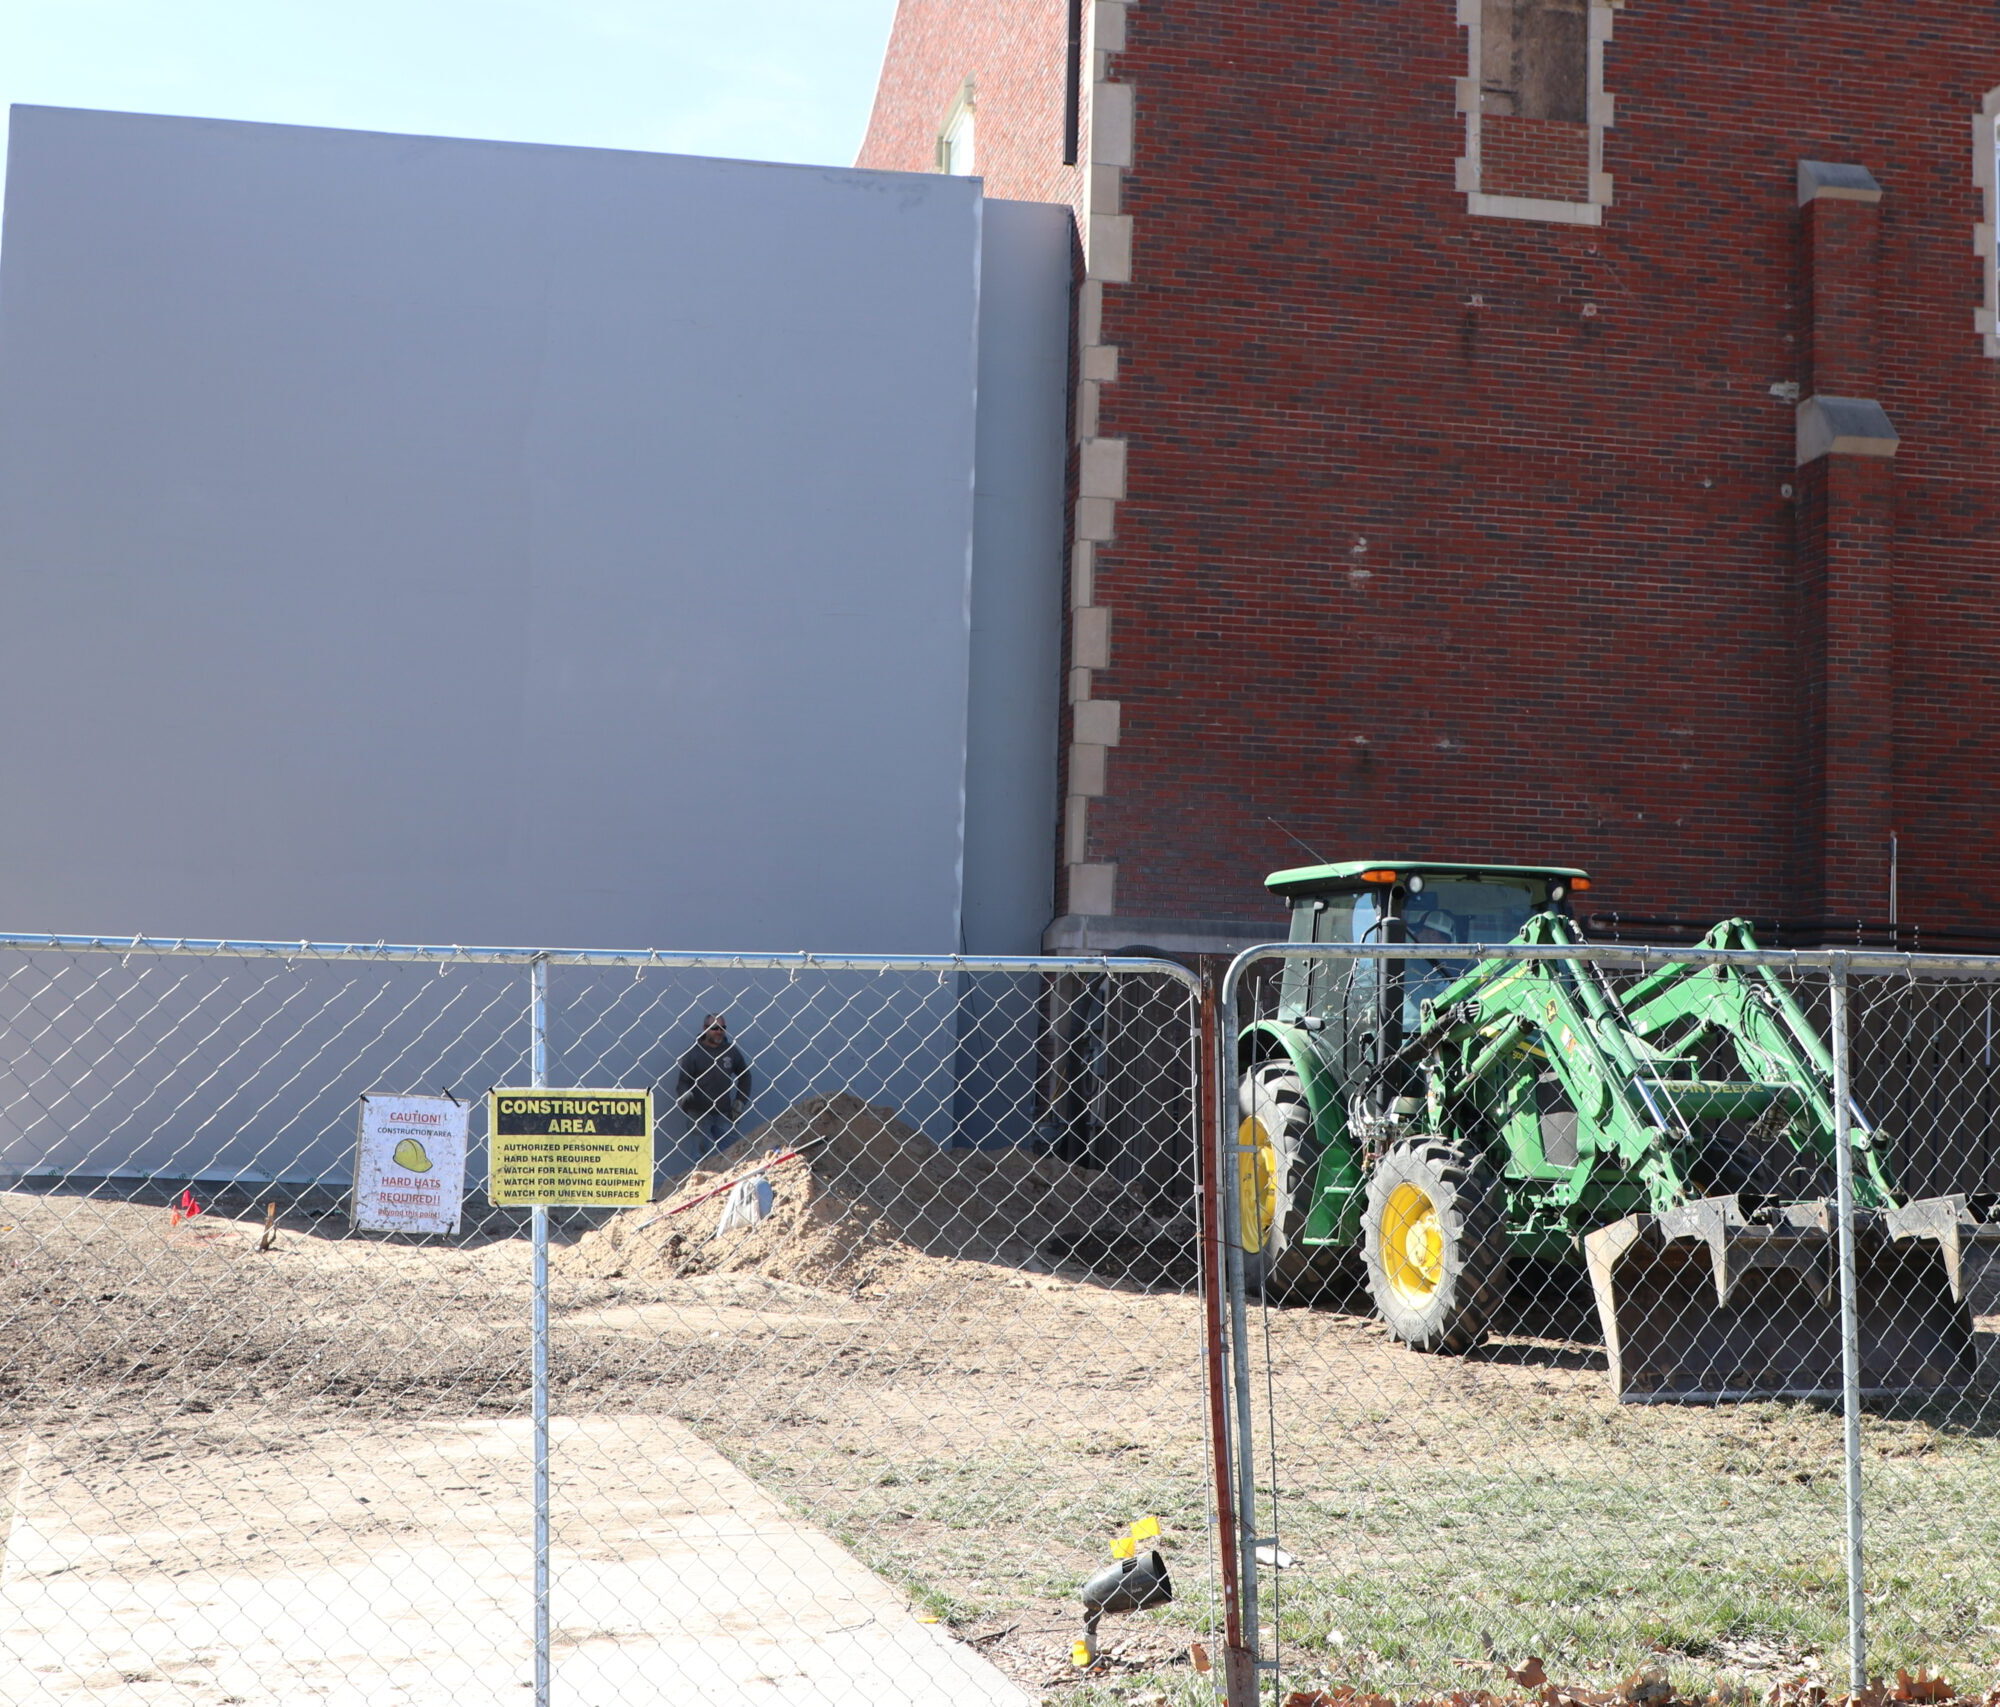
[(714, 1083)]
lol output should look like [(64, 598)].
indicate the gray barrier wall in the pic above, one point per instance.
[(462, 541)]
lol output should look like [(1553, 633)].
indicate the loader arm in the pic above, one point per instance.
[(1698, 1169), (1682, 1009), (1508, 1028)]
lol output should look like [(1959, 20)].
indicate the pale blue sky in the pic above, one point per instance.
[(756, 79)]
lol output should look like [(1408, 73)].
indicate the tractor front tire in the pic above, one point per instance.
[(1434, 1238)]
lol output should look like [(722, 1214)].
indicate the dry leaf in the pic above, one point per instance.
[(1646, 1689), (1650, 1688)]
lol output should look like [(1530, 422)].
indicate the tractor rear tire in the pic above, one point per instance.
[(1434, 1239), (1274, 1187)]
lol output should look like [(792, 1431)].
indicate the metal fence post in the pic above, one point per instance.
[(538, 1069), (1850, 1326), (1239, 1673), (1229, 1157)]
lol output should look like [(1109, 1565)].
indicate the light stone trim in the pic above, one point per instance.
[(1097, 722), (1985, 170), (1086, 410), (1110, 132), (1095, 518), (1076, 828), (1091, 889), (1090, 639), (1107, 27), (1086, 767), (1113, 116), (1100, 468), (1082, 574), (1107, 247), (1836, 181), (1090, 313), (1844, 426), (1532, 207), (1601, 108), (963, 105)]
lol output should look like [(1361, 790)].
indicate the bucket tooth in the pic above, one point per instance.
[(1701, 1304)]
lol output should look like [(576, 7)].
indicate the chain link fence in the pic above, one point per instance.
[(908, 1331), (1543, 1258), (910, 1327)]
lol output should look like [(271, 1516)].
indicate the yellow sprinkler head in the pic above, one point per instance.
[(1082, 1653)]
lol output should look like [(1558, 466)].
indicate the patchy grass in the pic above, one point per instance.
[(1462, 1517)]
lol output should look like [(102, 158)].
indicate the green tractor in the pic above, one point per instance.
[(1450, 1118)]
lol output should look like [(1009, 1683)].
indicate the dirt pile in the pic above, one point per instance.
[(867, 1198)]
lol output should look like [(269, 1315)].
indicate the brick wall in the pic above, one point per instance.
[(1442, 534), (1013, 53), (1535, 157)]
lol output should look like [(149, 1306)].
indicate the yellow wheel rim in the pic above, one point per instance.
[(1256, 1183), (1412, 1243)]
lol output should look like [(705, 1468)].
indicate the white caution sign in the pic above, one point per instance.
[(409, 1171)]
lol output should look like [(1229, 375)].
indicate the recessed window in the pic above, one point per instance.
[(1534, 61), (957, 141), (1986, 174), (1535, 108)]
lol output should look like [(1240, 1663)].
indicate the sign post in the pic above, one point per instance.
[(552, 1146)]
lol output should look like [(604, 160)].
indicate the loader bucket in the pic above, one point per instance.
[(1702, 1305)]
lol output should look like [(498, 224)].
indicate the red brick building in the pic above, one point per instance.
[(1542, 430)]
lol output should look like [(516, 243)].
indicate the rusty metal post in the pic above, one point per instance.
[(1239, 1662)]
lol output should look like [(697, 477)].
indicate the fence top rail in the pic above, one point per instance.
[(639, 958), (1622, 954)]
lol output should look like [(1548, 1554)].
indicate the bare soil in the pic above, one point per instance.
[(975, 1372), (966, 1428)]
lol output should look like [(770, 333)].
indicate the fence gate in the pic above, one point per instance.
[(847, 1410), (1743, 1441)]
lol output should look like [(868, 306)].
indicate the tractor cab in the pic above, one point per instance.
[(1362, 1009)]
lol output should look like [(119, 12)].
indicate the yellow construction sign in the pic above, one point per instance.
[(570, 1146)]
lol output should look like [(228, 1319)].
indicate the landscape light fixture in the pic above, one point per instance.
[(1131, 1583)]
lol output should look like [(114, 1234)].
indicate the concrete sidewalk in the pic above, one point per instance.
[(676, 1580)]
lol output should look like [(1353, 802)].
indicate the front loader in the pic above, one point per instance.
[(1448, 1116)]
